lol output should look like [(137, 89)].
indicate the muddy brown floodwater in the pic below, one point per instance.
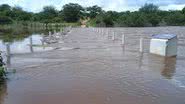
[(99, 71)]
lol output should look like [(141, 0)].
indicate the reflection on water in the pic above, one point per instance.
[(166, 65), (31, 45), (27, 45), (169, 67), (8, 60), (24, 41), (3, 91), (111, 75)]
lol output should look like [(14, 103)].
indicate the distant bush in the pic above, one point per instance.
[(2, 73), (108, 21), (72, 12), (175, 19), (57, 20), (153, 19), (147, 15), (5, 20), (2, 69), (135, 19)]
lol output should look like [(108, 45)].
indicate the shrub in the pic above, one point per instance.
[(2, 69), (2, 73), (5, 20)]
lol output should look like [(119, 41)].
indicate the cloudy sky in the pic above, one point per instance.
[(117, 5)]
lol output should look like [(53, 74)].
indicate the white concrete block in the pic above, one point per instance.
[(164, 45)]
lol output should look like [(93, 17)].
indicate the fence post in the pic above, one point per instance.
[(107, 32), (8, 49), (113, 36), (141, 45), (31, 44), (42, 40), (123, 39), (50, 33), (55, 32)]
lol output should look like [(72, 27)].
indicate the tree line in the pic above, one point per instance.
[(147, 15)]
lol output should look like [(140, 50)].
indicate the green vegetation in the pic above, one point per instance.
[(18, 34), (73, 14), (5, 20), (2, 73), (14, 71), (2, 69)]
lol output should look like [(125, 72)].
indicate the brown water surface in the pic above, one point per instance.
[(99, 71)]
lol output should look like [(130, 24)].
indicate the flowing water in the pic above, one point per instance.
[(30, 44), (90, 68)]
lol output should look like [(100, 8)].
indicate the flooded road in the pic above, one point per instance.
[(97, 70)]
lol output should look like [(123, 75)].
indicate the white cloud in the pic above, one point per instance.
[(116, 5), (173, 7)]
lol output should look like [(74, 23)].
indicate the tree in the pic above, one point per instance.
[(5, 20), (5, 7), (153, 18), (183, 10), (57, 20), (132, 19), (121, 21), (175, 18), (5, 10), (48, 13), (140, 20), (94, 11), (72, 12), (149, 8), (151, 11), (148, 15), (108, 21), (17, 13), (112, 14), (36, 17)]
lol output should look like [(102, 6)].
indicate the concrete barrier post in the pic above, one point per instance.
[(55, 32), (8, 49), (49, 33), (141, 45), (31, 44), (113, 36), (123, 39)]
